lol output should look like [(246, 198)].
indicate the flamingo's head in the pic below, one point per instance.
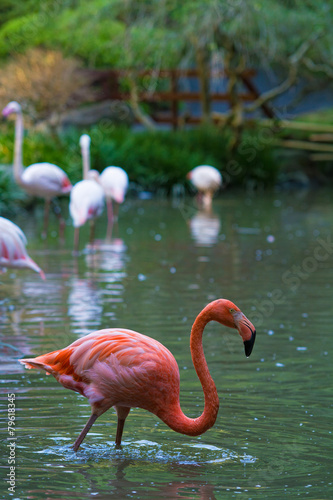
[(12, 107), (66, 185), (118, 195), (227, 313), (85, 141), (93, 175)]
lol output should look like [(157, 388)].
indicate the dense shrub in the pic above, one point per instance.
[(153, 160), (11, 196), (44, 83)]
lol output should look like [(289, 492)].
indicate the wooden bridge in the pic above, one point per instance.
[(167, 104)]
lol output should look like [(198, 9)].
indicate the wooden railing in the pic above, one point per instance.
[(318, 138), (109, 82)]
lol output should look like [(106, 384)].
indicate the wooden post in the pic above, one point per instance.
[(251, 87)]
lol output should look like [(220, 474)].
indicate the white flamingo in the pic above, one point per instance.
[(44, 180), (12, 248), (207, 180), (114, 181), (87, 196)]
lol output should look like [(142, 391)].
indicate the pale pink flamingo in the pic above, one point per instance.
[(206, 180), (12, 248), (114, 181), (87, 196), (124, 369), (43, 180)]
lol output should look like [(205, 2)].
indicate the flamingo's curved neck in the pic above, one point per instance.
[(174, 417), (18, 164), (86, 161)]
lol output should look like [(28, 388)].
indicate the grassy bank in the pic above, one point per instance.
[(154, 161)]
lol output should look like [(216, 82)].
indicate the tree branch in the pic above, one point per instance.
[(134, 102), (294, 61), (324, 68)]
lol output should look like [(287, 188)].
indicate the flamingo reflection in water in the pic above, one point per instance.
[(205, 228)]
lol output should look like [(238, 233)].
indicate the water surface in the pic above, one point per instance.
[(269, 253)]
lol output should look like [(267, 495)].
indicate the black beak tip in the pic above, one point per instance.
[(248, 344)]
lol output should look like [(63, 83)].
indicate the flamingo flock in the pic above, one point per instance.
[(47, 181), (117, 367)]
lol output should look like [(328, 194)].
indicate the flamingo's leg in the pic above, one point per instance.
[(109, 231), (57, 211), (116, 212), (109, 210), (46, 217), (84, 431), (122, 413), (110, 219), (76, 240), (92, 232)]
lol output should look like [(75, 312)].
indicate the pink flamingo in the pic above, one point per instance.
[(12, 248), (87, 196), (44, 180), (114, 181), (124, 369), (207, 180)]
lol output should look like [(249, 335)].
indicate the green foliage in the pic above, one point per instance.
[(93, 31), (11, 196), (18, 35), (323, 117)]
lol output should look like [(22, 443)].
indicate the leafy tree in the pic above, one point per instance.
[(291, 38)]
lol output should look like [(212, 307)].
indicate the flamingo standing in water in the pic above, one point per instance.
[(124, 369), (87, 196), (44, 180), (207, 180), (12, 248), (114, 181)]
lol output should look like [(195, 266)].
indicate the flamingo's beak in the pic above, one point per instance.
[(248, 344), (246, 330)]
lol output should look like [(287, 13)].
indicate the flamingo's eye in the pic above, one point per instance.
[(232, 311)]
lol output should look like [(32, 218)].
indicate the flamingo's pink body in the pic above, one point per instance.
[(206, 180), (44, 180), (13, 253), (124, 369), (87, 196)]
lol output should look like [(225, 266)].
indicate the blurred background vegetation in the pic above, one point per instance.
[(46, 48)]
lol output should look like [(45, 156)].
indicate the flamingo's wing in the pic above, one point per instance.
[(12, 248), (8, 227), (120, 366)]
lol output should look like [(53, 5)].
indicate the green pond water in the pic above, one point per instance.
[(270, 253)]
